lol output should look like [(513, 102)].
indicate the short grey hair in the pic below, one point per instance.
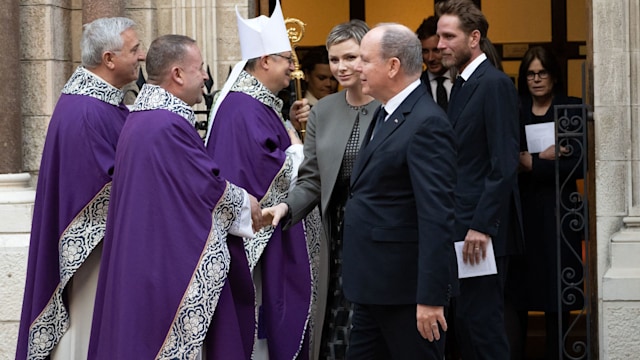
[(354, 29), (163, 53), (400, 42), (102, 35)]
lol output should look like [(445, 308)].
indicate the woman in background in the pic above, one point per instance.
[(317, 74), (534, 281)]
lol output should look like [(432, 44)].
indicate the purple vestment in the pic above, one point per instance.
[(71, 202), (166, 266), (248, 141)]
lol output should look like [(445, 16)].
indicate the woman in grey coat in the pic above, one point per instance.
[(334, 133)]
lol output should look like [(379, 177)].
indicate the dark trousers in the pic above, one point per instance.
[(451, 347), (480, 325), (383, 332)]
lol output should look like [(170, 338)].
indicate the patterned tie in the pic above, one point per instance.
[(382, 114), (441, 93)]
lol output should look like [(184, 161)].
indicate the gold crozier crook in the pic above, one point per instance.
[(295, 31)]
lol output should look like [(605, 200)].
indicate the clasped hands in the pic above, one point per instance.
[(267, 216)]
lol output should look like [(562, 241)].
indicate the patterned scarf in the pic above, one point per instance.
[(153, 97), (248, 84), (84, 82)]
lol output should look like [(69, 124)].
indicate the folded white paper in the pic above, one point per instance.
[(540, 136), (486, 266)]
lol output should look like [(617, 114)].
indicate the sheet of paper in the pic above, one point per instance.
[(486, 266), (540, 136)]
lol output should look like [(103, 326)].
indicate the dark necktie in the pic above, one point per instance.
[(456, 87), (382, 114), (441, 93)]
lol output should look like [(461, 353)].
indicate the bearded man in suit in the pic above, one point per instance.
[(483, 110)]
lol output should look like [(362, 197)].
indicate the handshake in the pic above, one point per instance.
[(268, 216)]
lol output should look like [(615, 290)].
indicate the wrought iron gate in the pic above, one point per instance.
[(572, 216)]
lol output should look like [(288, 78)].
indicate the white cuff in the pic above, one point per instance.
[(242, 225)]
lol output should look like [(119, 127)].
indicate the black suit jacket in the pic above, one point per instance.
[(484, 115), (399, 218)]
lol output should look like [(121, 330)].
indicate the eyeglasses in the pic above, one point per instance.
[(288, 58), (542, 74)]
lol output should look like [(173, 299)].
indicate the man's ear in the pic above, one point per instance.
[(394, 67), (176, 75), (264, 61), (107, 59), (475, 37)]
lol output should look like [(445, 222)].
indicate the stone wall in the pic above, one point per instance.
[(50, 33), (616, 84), (16, 207)]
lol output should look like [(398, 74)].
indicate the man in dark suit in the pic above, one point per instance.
[(398, 258), (484, 113), (437, 77)]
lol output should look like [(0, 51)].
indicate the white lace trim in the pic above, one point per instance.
[(191, 322), (84, 82), (250, 85), (153, 97), (74, 247)]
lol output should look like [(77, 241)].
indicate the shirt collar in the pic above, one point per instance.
[(312, 99), (84, 82), (153, 97), (445, 75), (468, 71), (395, 101)]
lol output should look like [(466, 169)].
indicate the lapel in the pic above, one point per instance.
[(339, 127), (335, 127), (339, 131), (393, 123), (461, 97)]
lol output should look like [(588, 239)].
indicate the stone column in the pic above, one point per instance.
[(93, 9), (16, 195), (616, 85), (10, 93)]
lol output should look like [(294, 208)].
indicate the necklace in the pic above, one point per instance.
[(361, 108)]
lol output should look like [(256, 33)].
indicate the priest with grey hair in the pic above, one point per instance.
[(73, 191)]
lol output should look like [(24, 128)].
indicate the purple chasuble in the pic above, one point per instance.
[(71, 201), (248, 141), (165, 266)]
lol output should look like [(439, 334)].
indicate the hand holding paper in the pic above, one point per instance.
[(486, 266), (540, 136)]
